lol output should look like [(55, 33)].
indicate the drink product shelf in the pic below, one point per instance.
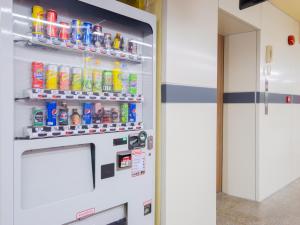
[(41, 94), (63, 131), (68, 46)]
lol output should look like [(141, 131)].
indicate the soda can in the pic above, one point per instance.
[(37, 24), (132, 84), (107, 40), (64, 31), (76, 31), (76, 79), (37, 75), (51, 77), (115, 115), (124, 112), (132, 47), (38, 117), (107, 83), (117, 41), (63, 115), (98, 113), (97, 80), (87, 29), (87, 113), (51, 114), (51, 27), (64, 78), (98, 36), (132, 112)]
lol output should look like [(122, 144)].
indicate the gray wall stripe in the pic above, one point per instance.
[(249, 97), (189, 94), (171, 93), (239, 97)]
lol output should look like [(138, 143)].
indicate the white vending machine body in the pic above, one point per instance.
[(77, 156)]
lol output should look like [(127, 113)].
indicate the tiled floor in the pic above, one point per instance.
[(283, 208)]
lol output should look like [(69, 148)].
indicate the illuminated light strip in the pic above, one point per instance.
[(98, 33), (141, 43), (23, 36), (21, 23), (42, 21)]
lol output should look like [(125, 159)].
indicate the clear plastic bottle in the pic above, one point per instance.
[(97, 77), (125, 75), (87, 81)]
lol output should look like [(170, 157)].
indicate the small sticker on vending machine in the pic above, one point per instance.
[(138, 163)]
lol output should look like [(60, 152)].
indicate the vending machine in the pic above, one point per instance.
[(77, 93)]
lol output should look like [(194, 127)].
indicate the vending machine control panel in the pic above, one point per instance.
[(137, 140)]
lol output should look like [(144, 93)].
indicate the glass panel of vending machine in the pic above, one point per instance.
[(84, 113)]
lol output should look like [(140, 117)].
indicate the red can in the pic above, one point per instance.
[(38, 75), (64, 31), (51, 27)]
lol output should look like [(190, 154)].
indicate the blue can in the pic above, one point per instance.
[(51, 114), (132, 112), (76, 31), (87, 33), (87, 113)]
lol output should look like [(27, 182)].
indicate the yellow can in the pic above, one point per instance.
[(37, 24), (52, 77)]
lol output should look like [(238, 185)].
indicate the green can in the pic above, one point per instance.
[(124, 112), (107, 83), (38, 117), (132, 84)]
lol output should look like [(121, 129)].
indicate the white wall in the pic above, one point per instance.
[(239, 152), (189, 130), (277, 134)]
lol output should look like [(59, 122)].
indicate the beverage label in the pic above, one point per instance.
[(87, 113), (117, 80), (98, 113), (124, 112), (76, 79), (38, 117), (51, 77), (63, 117), (75, 118), (37, 75), (51, 114), (87, 83), (133, 84), (124, 84), (107, 81), (64, 78), (115, 115), (132, 112), (97, 81)]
